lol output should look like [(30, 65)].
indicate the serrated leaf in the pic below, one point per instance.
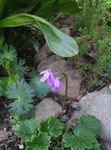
[(81, 139), (26, 130), (39, 142), (91, 123), (41, 89), (55, 127), (43, 126), (58, 42), (22, 93)]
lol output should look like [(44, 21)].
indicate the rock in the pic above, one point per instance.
[(98, 104), (43, 54), (106, 146), (59, 66), (47, 108), (3, 135)]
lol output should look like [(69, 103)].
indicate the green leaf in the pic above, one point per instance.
[(43, 126), (26, 130), (19, 68), (22, 93), (7, 55), (41, 89), (91, 123), (47, 8), (2, 5), (58, 148), (55, 127), (58, 42), (39, 142), (70, 6), (83, 139)]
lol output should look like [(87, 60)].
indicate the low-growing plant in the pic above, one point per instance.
[(54, 135)]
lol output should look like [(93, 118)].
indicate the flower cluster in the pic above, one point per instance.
[(53, 83)]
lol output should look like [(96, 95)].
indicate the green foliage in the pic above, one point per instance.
[(60, 43), (55, 127), (41, 89), (84, 134), (7, 56), (26, 129), (22, 93), (91, 123), (20, 68), (41, 135), (38, 142)]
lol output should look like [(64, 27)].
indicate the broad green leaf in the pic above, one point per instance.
[(81, 140), (39, 142), (26, 130), (47, 8), (69, 6), (55, 127), (2, 5), (43, 126), (58, 42), (91, 123)]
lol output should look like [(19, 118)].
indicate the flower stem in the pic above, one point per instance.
[(66, 90)]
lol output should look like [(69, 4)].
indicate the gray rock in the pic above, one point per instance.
[(59, 66), (3, 135), (47, 108), (98, 104)]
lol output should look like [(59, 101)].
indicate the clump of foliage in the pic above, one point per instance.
[(53, 134), (94, 41), (22, 93)]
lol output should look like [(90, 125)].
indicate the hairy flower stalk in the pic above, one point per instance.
[(48, 77)]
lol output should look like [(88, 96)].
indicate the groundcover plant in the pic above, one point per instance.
[(25, 27)]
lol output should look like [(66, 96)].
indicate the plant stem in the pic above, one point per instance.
[(66, 90)]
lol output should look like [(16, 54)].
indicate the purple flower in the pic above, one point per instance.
[(56, 86), (51, 80), (46, 74)]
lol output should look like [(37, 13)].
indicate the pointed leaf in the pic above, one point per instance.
[(58, 42)]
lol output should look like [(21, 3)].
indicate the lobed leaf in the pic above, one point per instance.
[(39, 142), (22, 93), (27, 129), (55, 127), (91, 123)]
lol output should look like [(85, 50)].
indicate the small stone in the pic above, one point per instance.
[(76, 106), (64, 119), (21, 146), (98, 104), (47, 108)]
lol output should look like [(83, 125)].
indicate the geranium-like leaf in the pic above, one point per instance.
[(81, 139), (55, 127), (40, 141), (26, 129), (90, 122), (43, 126)]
